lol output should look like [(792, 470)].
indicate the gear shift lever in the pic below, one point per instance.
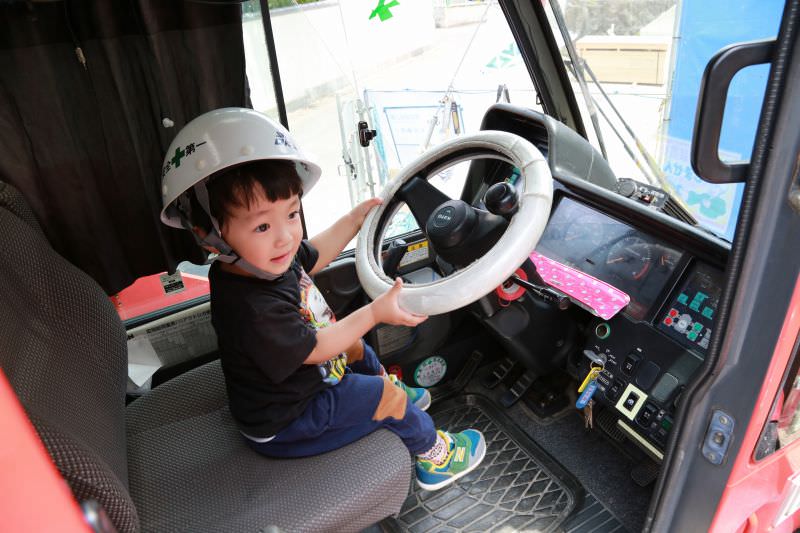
[(394, 254)]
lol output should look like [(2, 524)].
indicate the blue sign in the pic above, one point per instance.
[(705, 27)]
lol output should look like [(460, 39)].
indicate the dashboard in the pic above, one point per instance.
[(673, 272), (611, 251), (642, 266), (649, 351)]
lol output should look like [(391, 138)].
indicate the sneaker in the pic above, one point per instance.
[(418, 396), (467, 450)]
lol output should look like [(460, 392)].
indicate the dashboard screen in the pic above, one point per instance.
[(611, 251), (689, 318)]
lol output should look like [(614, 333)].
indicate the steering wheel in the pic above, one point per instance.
[(486, 248)]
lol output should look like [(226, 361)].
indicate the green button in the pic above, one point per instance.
[(697, 326), (694, 306), (682, 298), (692, 336), (708, 312)]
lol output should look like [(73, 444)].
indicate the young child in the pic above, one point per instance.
[(299, 381)]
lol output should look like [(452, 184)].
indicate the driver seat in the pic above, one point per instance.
[(173, 460)]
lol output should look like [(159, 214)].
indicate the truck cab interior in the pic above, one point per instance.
[(587, 323)]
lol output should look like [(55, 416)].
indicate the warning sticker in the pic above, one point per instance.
[(416, 252), (172, 283), (169, 341)]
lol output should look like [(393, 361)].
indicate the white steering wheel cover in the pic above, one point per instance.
[(485, 274)]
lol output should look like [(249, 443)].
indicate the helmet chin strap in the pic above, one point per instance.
[(214, 239)]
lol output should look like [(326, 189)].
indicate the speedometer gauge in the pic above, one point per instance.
[(583, 231), (630, 258)]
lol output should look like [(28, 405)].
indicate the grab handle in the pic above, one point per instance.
[(711, 107)]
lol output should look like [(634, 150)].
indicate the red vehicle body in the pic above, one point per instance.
[(745, 493)]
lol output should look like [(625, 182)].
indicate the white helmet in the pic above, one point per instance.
[(212, 142), (220, 139)]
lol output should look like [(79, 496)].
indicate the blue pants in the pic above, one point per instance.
[(360, 403)]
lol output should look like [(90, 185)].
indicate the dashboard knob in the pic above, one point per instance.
[(626, 188), (501, 199)]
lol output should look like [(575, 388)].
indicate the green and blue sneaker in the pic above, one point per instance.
[(418, 396), (466, 452)]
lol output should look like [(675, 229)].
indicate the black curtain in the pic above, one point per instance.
[(86, 88)]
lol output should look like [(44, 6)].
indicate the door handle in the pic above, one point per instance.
[(711, 107)]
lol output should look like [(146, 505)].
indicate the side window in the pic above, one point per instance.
[(417, 73), (642, 62)]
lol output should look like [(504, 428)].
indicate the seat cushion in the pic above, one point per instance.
[(190, 469)]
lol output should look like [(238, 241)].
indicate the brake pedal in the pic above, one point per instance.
[(645, 473), (519, 388), (499, 373)]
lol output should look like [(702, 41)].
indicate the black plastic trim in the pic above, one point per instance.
[(711, 107), (566, 151), (273, 63), (534, 36)]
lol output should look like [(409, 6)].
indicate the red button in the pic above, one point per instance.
[(668, 321), (673, 312)]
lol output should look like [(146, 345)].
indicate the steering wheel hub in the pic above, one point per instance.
[(450, 224)]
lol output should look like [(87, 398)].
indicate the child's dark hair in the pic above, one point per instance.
[(277, 179)]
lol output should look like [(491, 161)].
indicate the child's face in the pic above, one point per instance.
[(267, 234)]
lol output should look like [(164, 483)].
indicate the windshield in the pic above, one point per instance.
[(418, 73), (636, 67)]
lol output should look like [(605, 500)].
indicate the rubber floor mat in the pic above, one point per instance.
[(517, 487)]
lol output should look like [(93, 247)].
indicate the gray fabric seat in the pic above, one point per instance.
[(173, 460)]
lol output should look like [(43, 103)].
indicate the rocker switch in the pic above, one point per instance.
[(630, 363), (631, 400)]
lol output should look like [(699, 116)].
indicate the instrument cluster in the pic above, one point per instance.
[(611, 251)]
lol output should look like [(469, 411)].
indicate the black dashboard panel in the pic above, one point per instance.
[(672, 271), (655, 346), (689, 316), (567, 153), (612, 251)]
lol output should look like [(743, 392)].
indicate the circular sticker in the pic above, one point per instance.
[(510, 291), (430, 371)]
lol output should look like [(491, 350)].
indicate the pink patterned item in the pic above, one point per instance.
[(596, 296)]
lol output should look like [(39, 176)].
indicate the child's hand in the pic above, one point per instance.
[(359, 212), (385, 308)]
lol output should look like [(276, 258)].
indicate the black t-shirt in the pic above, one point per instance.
[(265, 333)]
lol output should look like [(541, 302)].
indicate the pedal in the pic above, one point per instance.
[(518, 389), (546, 397), (645, 473), (440, 392), (499, 373), (607, 421)]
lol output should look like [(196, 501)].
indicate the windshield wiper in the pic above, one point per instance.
[(578, 72), (656, 175)]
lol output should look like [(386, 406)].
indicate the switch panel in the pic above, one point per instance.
[(631, 401)]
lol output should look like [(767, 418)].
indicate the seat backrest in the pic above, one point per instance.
[(12, 200), (64, 351)]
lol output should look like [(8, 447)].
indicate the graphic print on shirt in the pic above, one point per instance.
[(316, 312)]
